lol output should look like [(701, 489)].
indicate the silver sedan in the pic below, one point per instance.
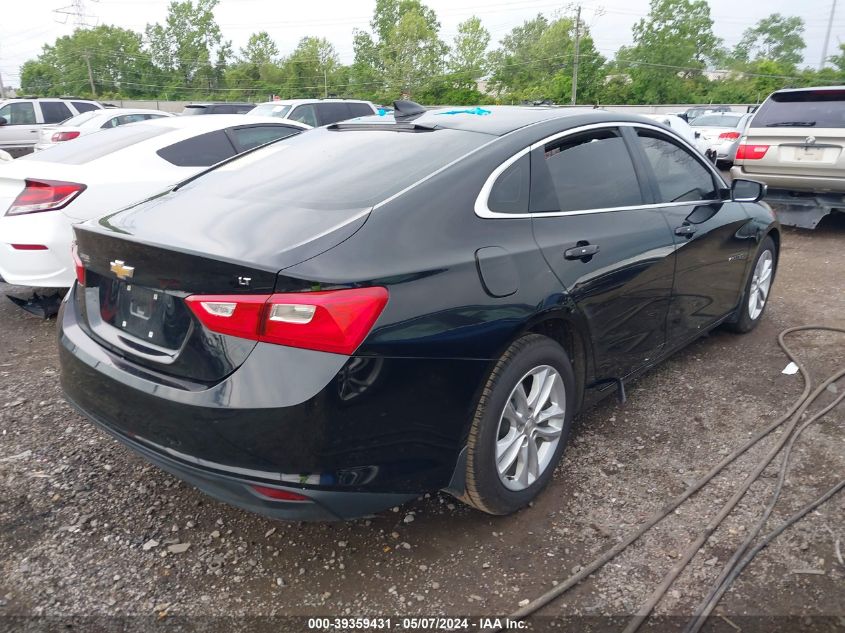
[(721, 133)]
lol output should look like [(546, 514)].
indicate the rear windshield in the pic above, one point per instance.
[(717, 120), (93, 146), (810, 108), (270, 109), (194, 109), (81, 118), (326, 169)]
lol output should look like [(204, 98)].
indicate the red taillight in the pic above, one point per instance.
[(77, 262), (751, 152), (58, 137), (728, 136), (44, 195), (329, 321), (29, 247), (278, 494)]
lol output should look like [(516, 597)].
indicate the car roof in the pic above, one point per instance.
[(497, 120), (811, 89), (203, 104), (291, 102), (218, 121)]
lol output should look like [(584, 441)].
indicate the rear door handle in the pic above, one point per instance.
[(685, 229), (582, 252)]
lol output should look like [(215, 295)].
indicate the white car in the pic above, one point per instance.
[(43, 195), (682, 128), (93, 121), (315, 112)]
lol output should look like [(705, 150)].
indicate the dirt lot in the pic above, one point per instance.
[(85, 524)]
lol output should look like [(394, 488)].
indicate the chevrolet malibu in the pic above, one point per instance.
[(340, 321)]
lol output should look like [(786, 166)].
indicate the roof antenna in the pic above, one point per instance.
[(407, 110)]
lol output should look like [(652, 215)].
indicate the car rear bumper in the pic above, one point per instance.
[(790, 182), (50, 267), (400, 436)]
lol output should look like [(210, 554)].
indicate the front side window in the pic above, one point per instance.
[(679, 175), (54, 111), (200, 151), (249, 137), (590, 170), (304, 114), (19, 113)]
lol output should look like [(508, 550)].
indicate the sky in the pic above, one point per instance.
[(24, 29)]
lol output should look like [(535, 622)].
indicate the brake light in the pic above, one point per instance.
[(329, 321), (29, 247), (728, 136), (44, 195), (278, 494), (751, 152), (58, 137), (77, 263)]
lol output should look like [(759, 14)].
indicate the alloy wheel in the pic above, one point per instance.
[(761, 282)]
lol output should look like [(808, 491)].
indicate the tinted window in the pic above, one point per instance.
[(54, 111), (326, 169), (270, 109), (93, 146), (304, 114), (193, 109), (82, 106), (592, 170), (510, 191), (248, 137), (19, 113), (679, 175), (359, 109), (810, 108), (332, 112), (201, 151), (717, 120)]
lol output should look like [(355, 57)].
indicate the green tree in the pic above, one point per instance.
[(366, 75), (118, 64), (672, 46), (468, 57), (310, 70), (188, 49), (412, 55), (776, 38)]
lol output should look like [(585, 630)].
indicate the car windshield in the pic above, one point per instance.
[(90, 147), (79, 119), (330, 169), (805, 108), (270, 109), (717, 120)]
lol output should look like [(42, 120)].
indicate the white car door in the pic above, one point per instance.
[(19, 134)]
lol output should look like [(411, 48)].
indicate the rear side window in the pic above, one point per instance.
[(333, 112), (510, 191), (304, 114), (82, 106), (54, 111), (93, 146), (679, 175), (807, 108), (249, 137), (592, 170), (200, 151), (359, 109)]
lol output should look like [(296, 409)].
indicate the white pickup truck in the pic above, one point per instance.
[(21, 120)]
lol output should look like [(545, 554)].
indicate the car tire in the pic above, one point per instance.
[(750, 311), (496, 426)]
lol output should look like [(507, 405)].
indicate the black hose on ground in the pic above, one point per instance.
[(672, 505)]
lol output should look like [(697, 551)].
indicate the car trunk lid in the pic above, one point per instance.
[(814, 152)]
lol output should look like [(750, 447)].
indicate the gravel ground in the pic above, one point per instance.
[(89, 529)]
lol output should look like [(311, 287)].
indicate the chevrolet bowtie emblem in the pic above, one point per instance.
[(122, 271)]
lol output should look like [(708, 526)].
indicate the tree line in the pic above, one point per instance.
[(673, 59)]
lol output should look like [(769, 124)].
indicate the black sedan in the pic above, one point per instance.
[(342, 320)]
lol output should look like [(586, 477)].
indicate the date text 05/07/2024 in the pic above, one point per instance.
[(419, 623)]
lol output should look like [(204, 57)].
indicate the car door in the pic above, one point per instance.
[(711, 247), (607, 245), (20, 133)]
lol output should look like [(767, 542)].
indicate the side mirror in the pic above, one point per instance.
[(3, 121), (747, 190)]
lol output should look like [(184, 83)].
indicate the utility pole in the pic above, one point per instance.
[(827, 35), (90, 74), (325, 83), (2, 88), (577, 49)]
